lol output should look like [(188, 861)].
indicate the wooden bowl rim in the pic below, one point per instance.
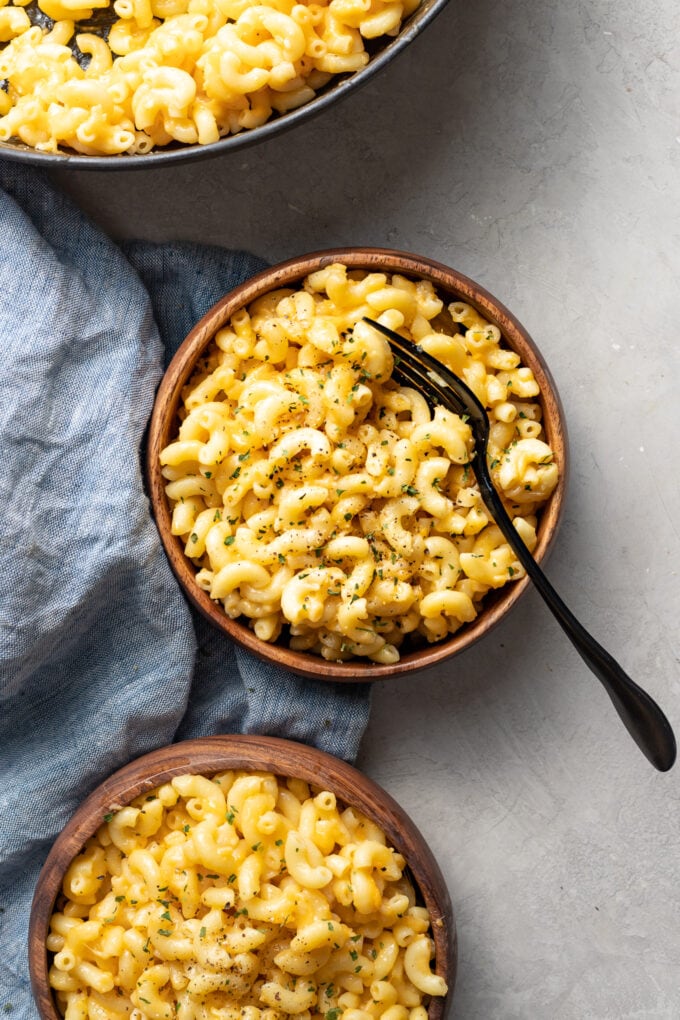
[(287, 273), (206, 756)]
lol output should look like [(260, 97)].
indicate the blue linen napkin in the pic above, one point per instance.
[(101, 659)]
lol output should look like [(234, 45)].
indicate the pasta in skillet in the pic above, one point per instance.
[(189, 71), (241, 897), (314, 492)]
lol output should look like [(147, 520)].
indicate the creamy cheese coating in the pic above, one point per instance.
[(314, 492), (244, 896)]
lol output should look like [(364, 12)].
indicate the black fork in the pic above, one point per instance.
[(642, 717)]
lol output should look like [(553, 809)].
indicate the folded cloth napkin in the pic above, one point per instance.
[(101, 659)]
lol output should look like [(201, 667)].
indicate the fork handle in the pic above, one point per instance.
[(640, 714)]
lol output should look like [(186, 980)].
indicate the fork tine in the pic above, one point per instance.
[(407, 365), (444, 378), (415, 377)]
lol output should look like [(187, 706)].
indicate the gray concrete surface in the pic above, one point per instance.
[(535, 146)]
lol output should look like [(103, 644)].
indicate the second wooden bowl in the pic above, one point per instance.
[(207, 756), (450, 285)]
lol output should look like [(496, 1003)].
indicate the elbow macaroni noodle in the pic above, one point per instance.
[(188, 71), (241, 897), (314, 492)]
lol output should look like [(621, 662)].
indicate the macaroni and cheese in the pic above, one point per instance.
[(241, 897), (188, 71), (314, 492)]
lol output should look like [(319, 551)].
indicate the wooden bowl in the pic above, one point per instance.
[(209, 755), (453, 286)]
